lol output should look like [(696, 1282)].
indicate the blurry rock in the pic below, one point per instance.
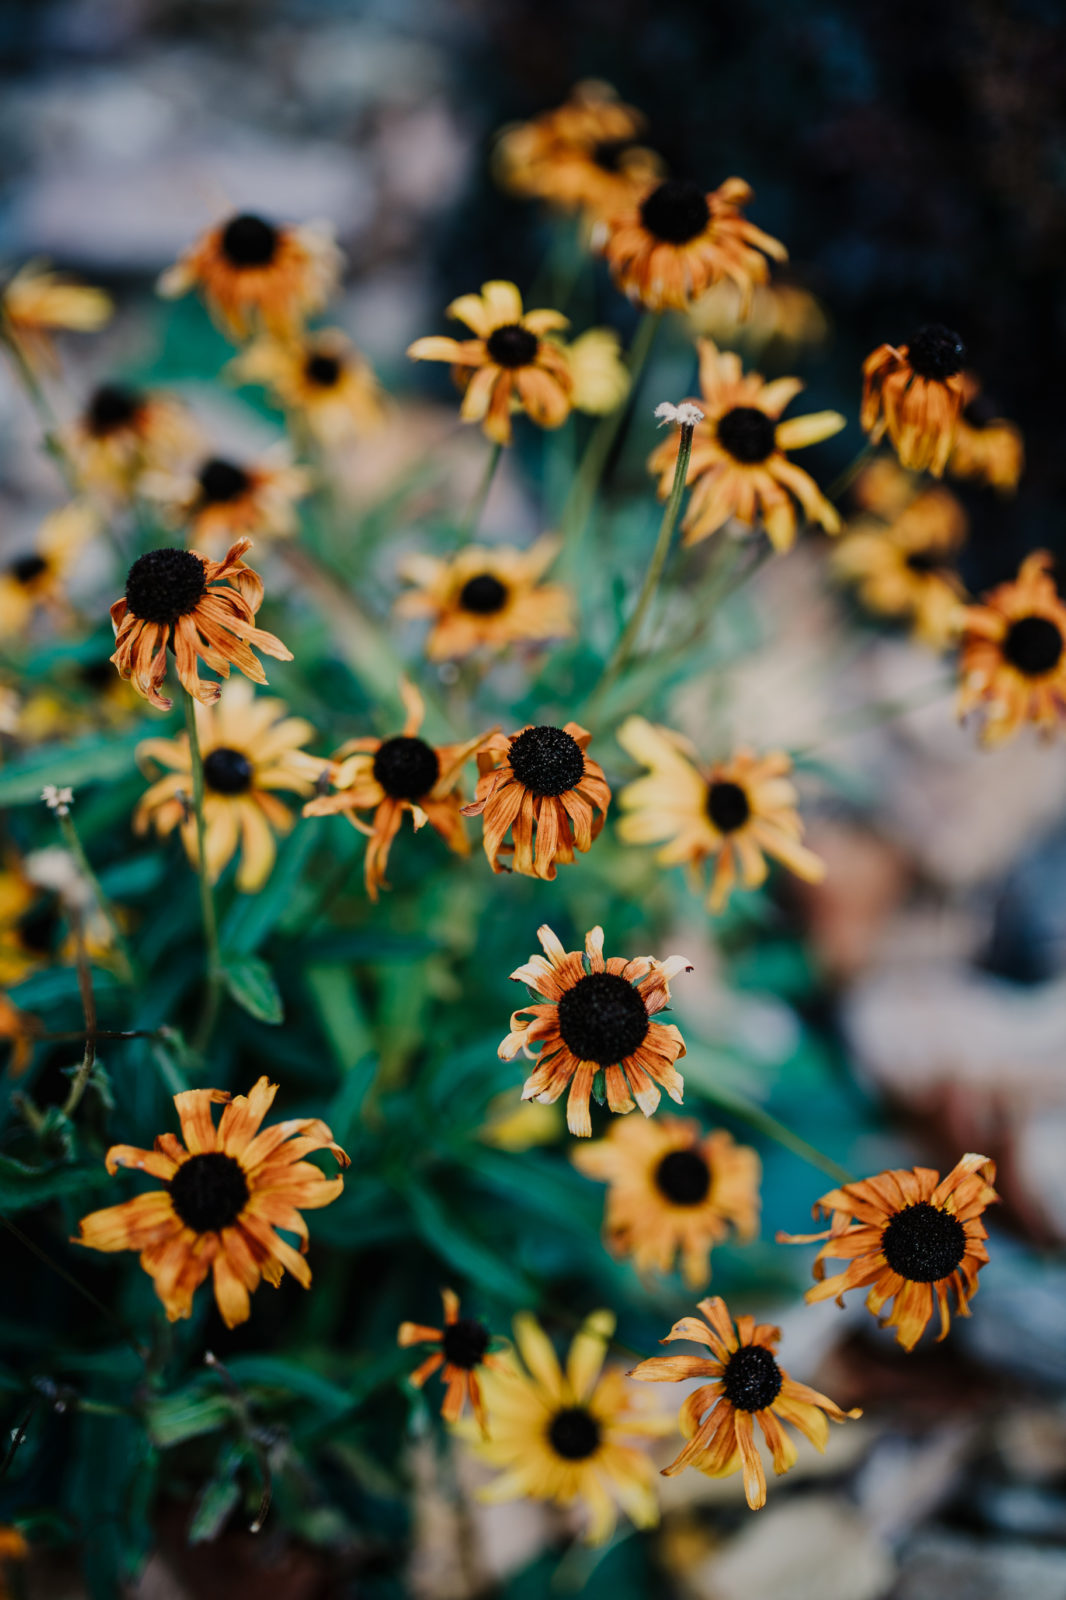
[(938, 1565), (814, 1548)]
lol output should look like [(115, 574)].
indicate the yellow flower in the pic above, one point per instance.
[(1012, 664), (221, 500), (250, 748), (123, 433), (321, 378), (915, 394), (783, 317), (36, 302), (600, 375), (903, 568), (987, 448), (36, 580), (486, 597)]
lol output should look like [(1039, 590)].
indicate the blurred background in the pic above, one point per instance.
[(914, 159)]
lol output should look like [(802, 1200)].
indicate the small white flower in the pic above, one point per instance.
[(56, 870), (58, 800), (686, 415)]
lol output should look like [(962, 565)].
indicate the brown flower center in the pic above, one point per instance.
[(1034, 645), (684, 1177), (748, 434), (24, 569), (547, 761), (603, 1018), (209, 1191), (676, 211), (728, 805), (483, 594), (923, 1243), (465, 1342), (752, 1379), (406, 768), (512, 346), (227, 771), (322, 370), (111, 408), (574, 1434), (936, 352), (164, 585), (248, 241), (222, 481)]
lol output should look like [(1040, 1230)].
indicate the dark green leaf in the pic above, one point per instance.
[(85, 761), (218, 1498), (22, 1187), (251, 983)]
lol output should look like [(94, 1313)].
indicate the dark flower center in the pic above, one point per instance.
[(748, 434), (923, 561), (209, 1191), (25, 568), (676, 211), (406, 768), (111, 408), (221, 481), (728, 806), (684, 1177), (227, 771), (1034, 645), (483, 594), (547, 760), (97, 674), (165, 585), (752, 1380), (39, 928), (465, 1342), (935, 352), (608, 153), (923, 1243), (513, 346), (248, 241), (574, 1434), (603, 1018), (322, 370)]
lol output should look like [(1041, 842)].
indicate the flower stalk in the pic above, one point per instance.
[(207, 900)]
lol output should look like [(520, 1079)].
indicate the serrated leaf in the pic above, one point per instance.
[(251, 983)]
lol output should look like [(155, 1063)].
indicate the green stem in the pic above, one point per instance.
[(754, 1115), (73, 843), (207, 901), (470, 522), (844, 480), (88, 1004)]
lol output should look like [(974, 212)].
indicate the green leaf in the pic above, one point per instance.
[(173, 1418), (89, 760), (218, 1498), (269, 1372), (447, 1234), (340, 1012), (22, 1187), (251, 983)]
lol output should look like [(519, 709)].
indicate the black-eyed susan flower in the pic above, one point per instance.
[(739, 467), (257, 275), (673, 1191), (910, 1237), (219, 499), (569, 1435), (584, 155), (509, 365), (19, 1030), (226, 1191), (1012, 665), (914, 392), (541, 786), (36, 580), (320, 378), (903, 568), (783, 317), (202, 609), (392, 776), (37, 302), (486, 597), (600, 376), (462, 1352), (593, 1014), (251, 748), (987, 449), (123, 432), (745, 1385), (736, 812), (670, 246)]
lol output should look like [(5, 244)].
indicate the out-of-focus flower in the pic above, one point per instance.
[(746, 1385), (463, 1350), (1012, 666), (915, 393), (510, 365), (393, 776), (321, 378), (585, 155), (600, 375), (58, 800), (736, 812), (539, 784), (903, 568), (669, 248), (203, 608), (221, 499), (251, 748), (13, 1547), (37, 302), (19, 1030), (988, 449), (521, 1127), (486, 596), (31, 925), (910, 1237), (595, 1014), (738, 467), (123, 432), (36, 580), (673, 1191), (569, 1436), (226, 1190), (782, 315), (256, 275)]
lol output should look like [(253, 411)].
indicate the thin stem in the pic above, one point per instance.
[(844, 480), (98, 1033), (246, 1424), (623, 649), (207, 900), (470, 522), (77, 850), (88, 1005), (754, 1115), (40, 402)]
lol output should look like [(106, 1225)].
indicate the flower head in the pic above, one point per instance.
[(1012, 665), (540, 785), (203, 609), (123, 432), (987, 449), (736, 812), (36, 302), (35, 581), (745, 1385), (486, 597), (593, 1014), (910, 1237), (915, 393), (220, 499), (320, 378), (463, 1353), (226, 1190)]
